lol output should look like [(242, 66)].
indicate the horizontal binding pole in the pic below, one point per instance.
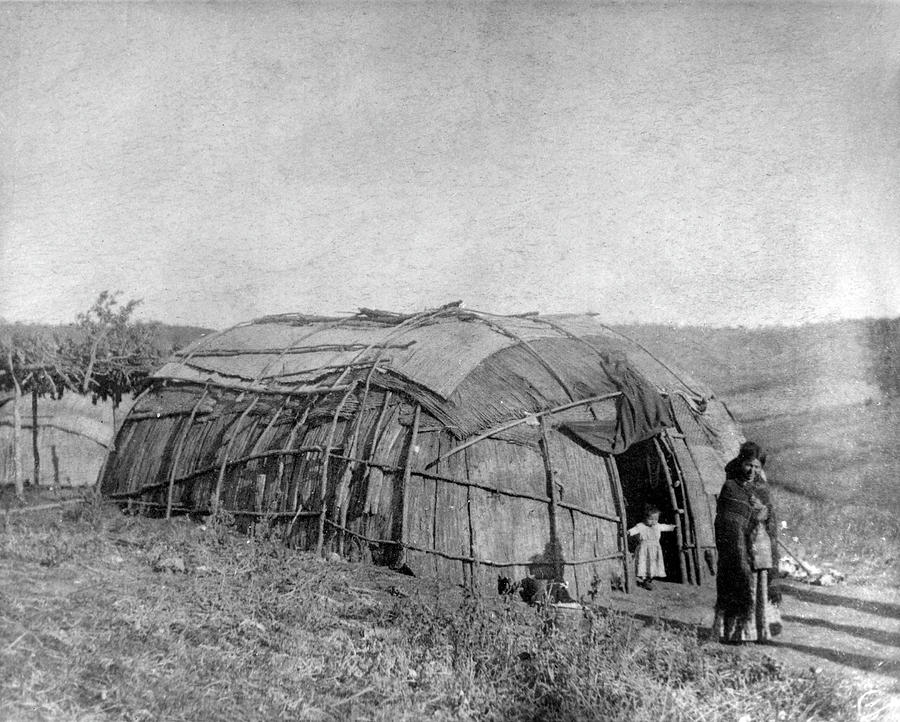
[(268, 514), (483, 487), (512, 424), (470, 560), (209, 353), (41, 507), (203, 417), (207, 469), (323, 370), (234, 512), (144, 416), (153, 505), (250, 389), (26, 424), (210, 415), (384, 467)]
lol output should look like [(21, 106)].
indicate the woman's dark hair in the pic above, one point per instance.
[(749, 451)]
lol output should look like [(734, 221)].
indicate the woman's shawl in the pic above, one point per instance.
[(734, 524), (734, 577), (760, 489), (735, 500)]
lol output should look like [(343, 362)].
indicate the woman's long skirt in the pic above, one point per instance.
[(759, 622)]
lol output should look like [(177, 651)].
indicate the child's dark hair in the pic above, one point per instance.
[(650, 509)]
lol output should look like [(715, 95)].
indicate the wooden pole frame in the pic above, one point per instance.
[(259, 391), (323, 492), (555, 542), (17, 431), (344, 507), (228, 447), (295, 350), (619, 499), (256, 444), (288, 451), (473, 566), (679, 514), (541, 419), (399, 329), (469, 559), (525, 419), (688, 511), (528, 347), (414, 473), (176, 457), (404, 488), (35, 430)]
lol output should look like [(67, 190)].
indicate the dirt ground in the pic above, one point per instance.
[(850, 629)]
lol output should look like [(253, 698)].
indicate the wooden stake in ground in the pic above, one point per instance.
[(17, 432), (34, 436)]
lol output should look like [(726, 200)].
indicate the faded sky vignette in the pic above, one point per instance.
[(706, 164)]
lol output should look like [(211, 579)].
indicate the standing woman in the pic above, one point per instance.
[(743, 520)]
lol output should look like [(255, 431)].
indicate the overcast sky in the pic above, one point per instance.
[(685, 163)]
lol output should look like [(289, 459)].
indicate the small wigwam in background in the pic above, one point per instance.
[(648, 557)]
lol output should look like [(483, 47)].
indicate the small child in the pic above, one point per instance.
[(648, 555)]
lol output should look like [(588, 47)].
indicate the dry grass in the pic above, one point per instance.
[(834, 473), (860, 541), (252, 630)]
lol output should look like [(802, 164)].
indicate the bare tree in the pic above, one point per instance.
[(110, 354)]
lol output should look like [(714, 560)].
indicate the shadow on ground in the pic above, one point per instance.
[(881, 609)]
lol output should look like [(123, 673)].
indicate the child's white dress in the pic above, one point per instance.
[(648, 556)]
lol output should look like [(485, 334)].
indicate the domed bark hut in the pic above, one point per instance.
[(462, 444)]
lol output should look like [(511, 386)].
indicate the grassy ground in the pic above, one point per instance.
[(860, 541), (835, 473), (97, 621)]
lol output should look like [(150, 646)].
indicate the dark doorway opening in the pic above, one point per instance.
[(644, 482)]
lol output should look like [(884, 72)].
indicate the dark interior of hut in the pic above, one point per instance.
[(643, 483)]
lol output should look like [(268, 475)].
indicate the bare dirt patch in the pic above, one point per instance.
[(851, 630)]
